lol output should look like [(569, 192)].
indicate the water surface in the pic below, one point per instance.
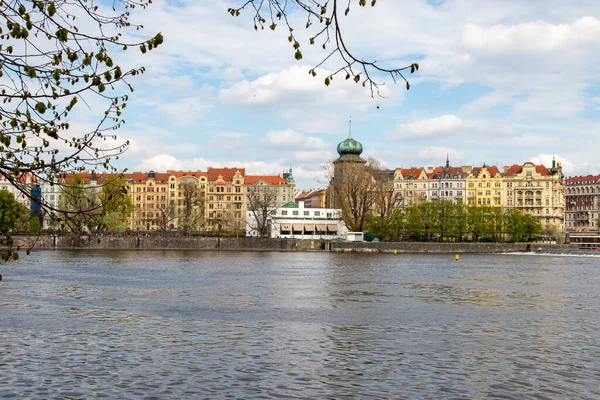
[(159, 324)]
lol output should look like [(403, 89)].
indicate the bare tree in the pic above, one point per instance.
[(328, 32), (191, 215), (352, 192), (167, 215), (385, 201), (262, 205)]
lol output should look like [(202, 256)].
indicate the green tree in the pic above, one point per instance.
[(79, 206), (531, 227), (458, 223), (326, 17), (11, 213), (115, 202), (34, 225), (414, 222), (56, 55)]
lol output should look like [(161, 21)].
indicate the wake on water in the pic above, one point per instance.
[(551, 254)]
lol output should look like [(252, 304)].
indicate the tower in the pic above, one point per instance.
[(348, 162)]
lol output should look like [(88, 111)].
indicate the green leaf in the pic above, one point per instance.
[(327, 81), (298, 55)]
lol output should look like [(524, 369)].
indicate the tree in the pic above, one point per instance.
[(116, 205), (34, 225), (328, 31), (353, 194), (11, 212), (79, 206), (167, 215), (385, 201), (56, 55), (262, 205), (191, 215)]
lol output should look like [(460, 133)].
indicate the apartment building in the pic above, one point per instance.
[(582, 202)]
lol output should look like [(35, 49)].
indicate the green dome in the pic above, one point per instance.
[(349, 146)]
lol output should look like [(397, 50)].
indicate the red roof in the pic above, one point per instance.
[(23, 178), (517, 169), (581, 179), (440, 170), (179, 174), (492, 170), (226, 173), (306, 194), (270, 179), (416, 172)]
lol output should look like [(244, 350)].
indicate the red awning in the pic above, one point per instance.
[(309, 227), (332, 227), (297, 227), (321, 228), (286, 227)]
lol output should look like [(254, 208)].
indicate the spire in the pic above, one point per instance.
[(350, 128), (447, 161)]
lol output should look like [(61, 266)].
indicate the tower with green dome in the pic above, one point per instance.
[(348, 161)]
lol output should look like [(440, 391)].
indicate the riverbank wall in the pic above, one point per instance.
[(258, 244)]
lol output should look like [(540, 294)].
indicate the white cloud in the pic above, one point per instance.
[(298, 97), (448, 126), (290, 139), (435, 155)]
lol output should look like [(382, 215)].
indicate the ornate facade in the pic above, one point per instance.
[(582, 202)]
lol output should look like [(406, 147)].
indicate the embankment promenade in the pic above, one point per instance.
[(72, 242)]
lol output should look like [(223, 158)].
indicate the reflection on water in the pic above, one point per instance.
[(298, 325)]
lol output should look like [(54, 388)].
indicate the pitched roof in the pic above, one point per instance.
[(179, 174), (226, 173), (307, 194), (517, 169), (441, 170), (583, 179), (415, 172)]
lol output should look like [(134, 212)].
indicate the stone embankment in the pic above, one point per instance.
[(257, 244)]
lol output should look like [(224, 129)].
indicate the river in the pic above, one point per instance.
[(156, 325)]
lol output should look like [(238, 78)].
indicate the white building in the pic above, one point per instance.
[(25, 181), (293, 220)]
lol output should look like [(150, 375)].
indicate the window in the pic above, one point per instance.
[(294, 212), (317, 213), (284, 212), (305, 212)]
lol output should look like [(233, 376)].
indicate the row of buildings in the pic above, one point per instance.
[(223, 197)]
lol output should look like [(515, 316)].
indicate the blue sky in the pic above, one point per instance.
[(500, 82)]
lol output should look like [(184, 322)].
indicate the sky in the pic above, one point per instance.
[(500, 82)]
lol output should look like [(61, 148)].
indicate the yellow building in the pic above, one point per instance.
[(536, 190), (282, 189), (187, 199), (149, 194), (225, 199), (485, 187), (412, 185)]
